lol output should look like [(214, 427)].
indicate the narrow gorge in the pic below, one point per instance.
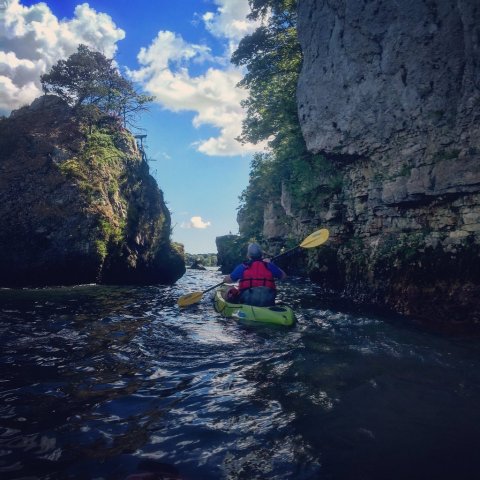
[(388, 99)]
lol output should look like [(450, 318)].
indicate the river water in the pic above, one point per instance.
[(117, 383)]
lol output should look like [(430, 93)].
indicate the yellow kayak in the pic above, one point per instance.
[(278, 314)]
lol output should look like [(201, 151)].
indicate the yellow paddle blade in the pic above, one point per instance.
[(189, 299), (316, 238)]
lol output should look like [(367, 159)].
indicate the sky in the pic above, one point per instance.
[(179, 51)]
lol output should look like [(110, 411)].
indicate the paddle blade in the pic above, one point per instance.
[(316, 238), (189, 299)]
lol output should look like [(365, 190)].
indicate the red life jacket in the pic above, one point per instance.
[(256, 274)]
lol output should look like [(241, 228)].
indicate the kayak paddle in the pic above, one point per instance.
[(194, 297), (315, 239)]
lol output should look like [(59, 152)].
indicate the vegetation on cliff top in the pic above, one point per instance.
[(273, 59), (89, 80)]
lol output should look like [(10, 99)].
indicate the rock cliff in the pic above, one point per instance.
[(389, 94), (77, 204)]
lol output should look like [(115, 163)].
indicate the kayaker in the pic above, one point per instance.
[(256, 279)]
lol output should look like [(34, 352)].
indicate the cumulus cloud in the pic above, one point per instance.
[(33, 39), (229, 21), (213, 95), (196, 222)]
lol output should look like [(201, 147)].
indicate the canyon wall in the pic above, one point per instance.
[(389, 94)]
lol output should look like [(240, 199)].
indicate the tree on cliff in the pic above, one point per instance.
[(88, 78), (273, 59)]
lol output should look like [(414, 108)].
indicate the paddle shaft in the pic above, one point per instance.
[(276, 257), (215, 286)]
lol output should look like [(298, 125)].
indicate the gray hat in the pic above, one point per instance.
[(254, 251)]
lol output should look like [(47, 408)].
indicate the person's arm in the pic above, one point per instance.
[(276, 270), (235, 275)]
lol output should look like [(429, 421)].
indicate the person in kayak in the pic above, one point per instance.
[(256, 279)]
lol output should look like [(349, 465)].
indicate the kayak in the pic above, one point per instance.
[(278, 314)]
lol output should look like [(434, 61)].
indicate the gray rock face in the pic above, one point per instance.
[(390, 92), (273, 228), (382, 70)]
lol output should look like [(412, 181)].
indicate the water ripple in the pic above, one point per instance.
[(110, 382)]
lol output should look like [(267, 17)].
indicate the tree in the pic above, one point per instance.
[(88, 78), (273, 59), (263, 184)]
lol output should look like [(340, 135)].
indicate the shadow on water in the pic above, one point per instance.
[(118, 383)]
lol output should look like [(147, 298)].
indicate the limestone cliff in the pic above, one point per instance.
[(77, 204), (389, 93)]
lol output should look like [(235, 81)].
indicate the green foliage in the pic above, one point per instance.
[(101, 148), (205, 259), (101, 247), (111, 232), (99, 167), (398, 251), (73, 168), (312, 176), (264, 183), (273, 59), (232, 250), (89, 79)]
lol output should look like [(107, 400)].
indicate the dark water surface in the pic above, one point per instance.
[(116, 382)]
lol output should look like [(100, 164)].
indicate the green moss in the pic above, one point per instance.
[(313, 179), (99, 165), (73, 168), (356, 256), (100, 147), (113, 187), (111, 232), (101, 246), (178, 247), (398, 250)]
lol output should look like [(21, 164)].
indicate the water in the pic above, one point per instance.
[(118, 383)]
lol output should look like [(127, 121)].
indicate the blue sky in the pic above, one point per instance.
[(176, 50)]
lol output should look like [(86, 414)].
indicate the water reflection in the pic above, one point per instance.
[(117, 382)]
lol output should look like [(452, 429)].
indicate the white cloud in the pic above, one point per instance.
[(229, 21), (33, 40), (213, 95), (196, 222)]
